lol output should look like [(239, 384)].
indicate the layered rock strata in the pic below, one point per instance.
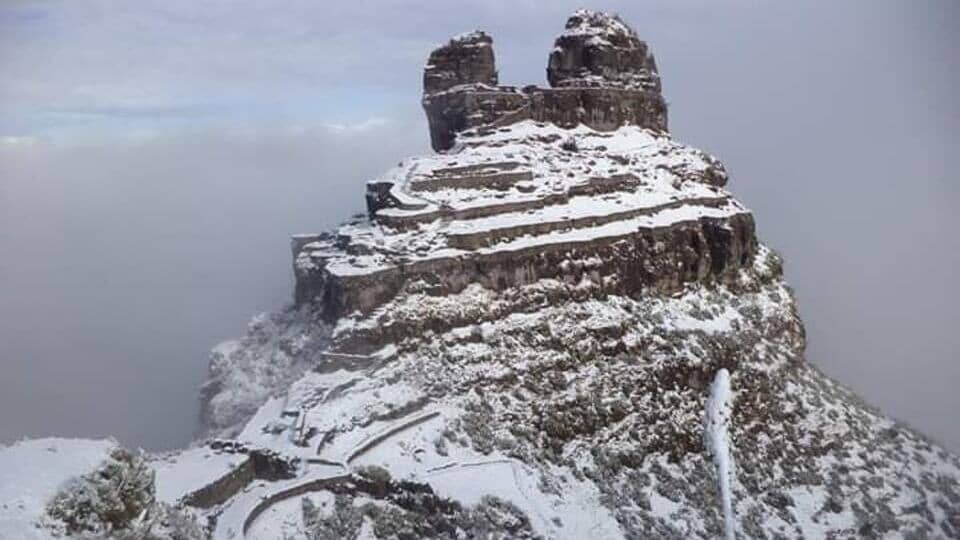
[(585, 174), (531, 201), (601, 75), (518, 341)]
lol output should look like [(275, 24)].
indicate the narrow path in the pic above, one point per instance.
[(235, 519), (389, 431), (242, 511)]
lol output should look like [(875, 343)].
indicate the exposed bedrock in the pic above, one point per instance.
[(520, 200), (663, 259), (466, 59), (599, 49), (602, 75)]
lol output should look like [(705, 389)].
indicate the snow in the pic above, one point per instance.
[(807, 503), (637, 179), (717, 427), (240, 513), (377, 413), (466, 475), (184, 472), (457, 388), (282, 520), (597, 24), (33, 471)]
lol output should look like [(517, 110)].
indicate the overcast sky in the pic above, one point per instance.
[(156, 154)]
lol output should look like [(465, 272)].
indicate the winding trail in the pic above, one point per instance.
[(236, 518), (377, 438)]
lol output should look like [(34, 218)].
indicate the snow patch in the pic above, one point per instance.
[(32, 473)]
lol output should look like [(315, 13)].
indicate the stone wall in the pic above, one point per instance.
[(223, 488)]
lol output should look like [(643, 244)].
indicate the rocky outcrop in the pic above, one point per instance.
[(651, 210), (602, 76), (466, 60), (525, 327), (649, 207), (659, 258), (599, 49)]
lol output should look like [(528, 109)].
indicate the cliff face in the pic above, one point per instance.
[(540, 176), (601, 75), (562, 325)]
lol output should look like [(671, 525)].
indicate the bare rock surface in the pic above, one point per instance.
[(467, 59), (599, 49), (601, 76)]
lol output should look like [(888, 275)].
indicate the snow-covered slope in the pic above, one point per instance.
[(587, 418), (33, 471), (560, 326)]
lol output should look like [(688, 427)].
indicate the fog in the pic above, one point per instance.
[(144, 219)]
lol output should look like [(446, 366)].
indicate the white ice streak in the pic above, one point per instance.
[(717, 433)]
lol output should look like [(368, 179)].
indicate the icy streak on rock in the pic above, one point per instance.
[(719, 410)]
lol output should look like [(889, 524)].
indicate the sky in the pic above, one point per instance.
[(155, 156)]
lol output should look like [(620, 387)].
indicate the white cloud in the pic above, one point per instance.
[(364, 125), (12, 141)]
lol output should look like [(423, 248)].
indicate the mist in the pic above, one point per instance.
[(137, 233), (124, 263)]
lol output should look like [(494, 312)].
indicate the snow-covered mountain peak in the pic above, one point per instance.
[(560, 325)]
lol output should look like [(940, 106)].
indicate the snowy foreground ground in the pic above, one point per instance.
[(33, 471)]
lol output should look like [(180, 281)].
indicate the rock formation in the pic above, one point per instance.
[(526, 325), (600, 50), (601, 75), (519, 337)]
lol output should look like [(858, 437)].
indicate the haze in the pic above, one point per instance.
[(155, 157)]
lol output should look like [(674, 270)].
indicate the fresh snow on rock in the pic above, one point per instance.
[(181, 473), (530, 334)]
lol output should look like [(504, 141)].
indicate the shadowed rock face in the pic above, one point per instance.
[(602, 76), (599, 49), (466, 59), (657, 261)]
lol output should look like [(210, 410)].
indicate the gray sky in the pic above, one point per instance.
[(155, 155)]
